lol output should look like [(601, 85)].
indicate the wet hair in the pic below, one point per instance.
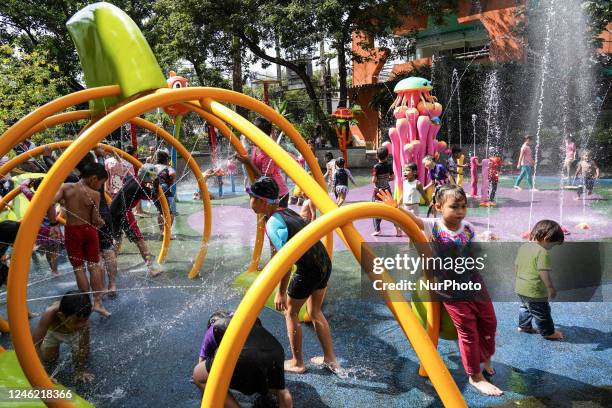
[(547, 230), (94, 169), (163, 157), (263, 125), (340, 162), (329, 156), (87, 159), (455, 150), (382, 153), (75, 303), (450, 191), (412, 166), (219, 314)]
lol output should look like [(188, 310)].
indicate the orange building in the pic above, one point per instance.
[(479, 30)]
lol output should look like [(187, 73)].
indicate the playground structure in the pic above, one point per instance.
[(121, 99)]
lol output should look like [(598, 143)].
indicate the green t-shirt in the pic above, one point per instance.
[(530, 260)]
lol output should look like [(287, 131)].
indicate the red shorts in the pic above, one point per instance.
[(82, 244)]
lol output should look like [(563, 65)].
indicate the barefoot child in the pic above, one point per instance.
[(259, 368), (81, 200), (66, 321), (330, 168), (412, 190), (134, 190), (474, 320), (439, 176), (308, 212), (309, 282), (340, 181), (533, 284), (51, 246), (382, 174), (588, 169)]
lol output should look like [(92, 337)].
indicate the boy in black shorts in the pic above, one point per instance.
[(259, 368), (309, 282)]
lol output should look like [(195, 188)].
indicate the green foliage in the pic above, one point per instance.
[(27, 82)]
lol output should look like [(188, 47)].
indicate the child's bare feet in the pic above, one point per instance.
[(488, 371), (398, 233), (153, 271), (83, 376), (332, 366), (376, 233), (557, 335), (55, 274), (292, 366), (112, 291), (99, 308), (481, 384), (517, 188), (529, 330)]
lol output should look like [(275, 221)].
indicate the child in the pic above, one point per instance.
[(81, 200), (259, 367), (134, 190), (308, 212), (533, 284), (309, 282), (412, 190), (474, 320), (330, 166), (589, 171), (495, 162), (570, 156), (219, 173), (454, 168), (439, 176), (166, 176), (340, 181), (49, 245), (525, 164), (231, 170), (382, 174), (66, 321)]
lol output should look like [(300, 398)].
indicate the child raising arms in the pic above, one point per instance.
[(474, 320), (81, 200)]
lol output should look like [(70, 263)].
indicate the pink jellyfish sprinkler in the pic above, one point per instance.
[(417, 123)]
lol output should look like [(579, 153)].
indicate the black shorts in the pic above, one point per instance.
[(105, 237), (306, 280), (261, 368), (170, 200)]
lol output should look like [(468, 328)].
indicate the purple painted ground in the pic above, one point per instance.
[(507, 221)]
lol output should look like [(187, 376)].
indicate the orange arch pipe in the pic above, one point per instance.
[(255, 298), (26, 236), (55, 120), (225, 131), (14, 134)]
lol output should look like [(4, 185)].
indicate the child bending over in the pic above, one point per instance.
[(533, 283), (66, 321), (259, 368)]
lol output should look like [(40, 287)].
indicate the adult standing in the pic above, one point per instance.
[(262, 165), (525, 164)]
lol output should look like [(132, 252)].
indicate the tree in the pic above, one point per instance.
[(42, 28), (27, 81)]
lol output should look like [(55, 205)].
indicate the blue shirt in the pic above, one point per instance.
[(439, 174)]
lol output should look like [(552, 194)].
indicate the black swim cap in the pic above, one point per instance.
[(264, 187)]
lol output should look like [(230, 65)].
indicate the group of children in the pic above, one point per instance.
[(260, 368)]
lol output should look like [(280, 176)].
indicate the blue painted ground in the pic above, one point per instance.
[(143, 355)]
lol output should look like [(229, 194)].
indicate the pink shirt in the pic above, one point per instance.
[(570, 151), (267, 167), (527, 155), (231, 167), (117, 171)]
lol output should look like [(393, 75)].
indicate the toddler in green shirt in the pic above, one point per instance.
[(533, 284)]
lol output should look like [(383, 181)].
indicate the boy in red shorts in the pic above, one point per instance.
[(81, 200)]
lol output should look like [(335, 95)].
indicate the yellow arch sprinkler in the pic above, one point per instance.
[(125, 82)]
